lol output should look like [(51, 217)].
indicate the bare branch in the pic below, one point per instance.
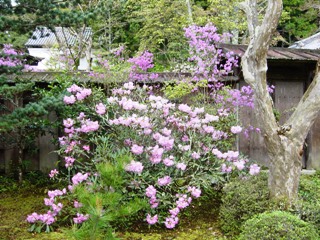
[(307, 110)]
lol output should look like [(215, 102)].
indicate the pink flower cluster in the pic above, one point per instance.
[(151, 193), (100, 109), (166, 180), (79, 177), (135, 167), (53, 173), (140, 66), (49, 217), (78, 93), (80, 218), (152, 220)]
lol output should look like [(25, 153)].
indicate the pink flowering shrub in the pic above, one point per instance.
[(164, 154), (137, 153)]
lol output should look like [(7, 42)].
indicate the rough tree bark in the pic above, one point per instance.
[(284, 143)]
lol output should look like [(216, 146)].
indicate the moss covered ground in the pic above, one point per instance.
[(198, 223)]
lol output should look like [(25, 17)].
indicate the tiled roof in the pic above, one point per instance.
[(312, 42), (277, 53), (44, 37)]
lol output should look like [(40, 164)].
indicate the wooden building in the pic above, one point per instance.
[(291, 71)]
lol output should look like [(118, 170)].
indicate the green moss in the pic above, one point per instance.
[(15, 207), (199, 221)]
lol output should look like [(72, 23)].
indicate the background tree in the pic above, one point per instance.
[(284, 143), (21, 122), (24, 16), (302, 19)]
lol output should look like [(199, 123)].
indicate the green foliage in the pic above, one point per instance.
[(106, 202), (277, 225), (161, 31), (301, 20), (308, 207), (32, 181), (245, 198), (242, 199)]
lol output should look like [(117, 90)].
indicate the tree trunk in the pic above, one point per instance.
[(284, 143), (284, 168)]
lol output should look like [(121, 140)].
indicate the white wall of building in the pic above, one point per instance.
[(50, 59)]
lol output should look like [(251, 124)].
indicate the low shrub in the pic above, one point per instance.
[(308, 207), (277, 225), (241, 200)]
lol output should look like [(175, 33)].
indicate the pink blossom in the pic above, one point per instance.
[(82, 94), (147, 131), (129, 86), (74, 88), (69, 161), (184, 148), (57, 207), (68, 122), (239, 164), (134, 166), (151, 191), (181, 166), (47, 218), (156, 154), (80, 218), (185, 138), (166, 132), (78, 178), (226, 169), (183, 201), (48, 201), (195, 192), (166, 180), (54, 193), (32, 218), (195, 155), (208, 129), (210, 118), (136, 149), (81, 116), (174, 212), (171, 222), (168, 161), (76, 204), (69, 130), (166, 142), (100, 109), (53, 173), (152, 220), (69, 99), (127, 142), (236, 129), (89, 126), (184, 108), (154, 202), (254, 169), (86, 148)]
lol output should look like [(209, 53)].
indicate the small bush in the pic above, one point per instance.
[(241, 200), (309, 194), (277, 225)]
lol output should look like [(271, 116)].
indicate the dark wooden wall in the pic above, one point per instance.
[(291, 79)]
